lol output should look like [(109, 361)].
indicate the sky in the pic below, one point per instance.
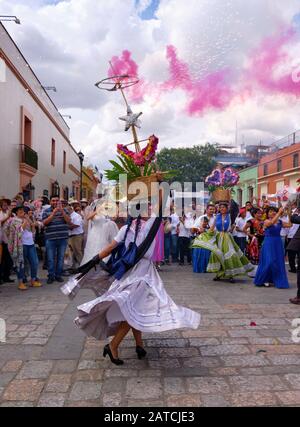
[(205, 67)]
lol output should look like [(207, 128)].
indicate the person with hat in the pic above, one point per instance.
[(6, 262), (76, 234)]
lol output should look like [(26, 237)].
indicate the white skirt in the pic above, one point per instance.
[(138, 298)]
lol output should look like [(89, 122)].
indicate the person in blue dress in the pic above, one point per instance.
[(201, 226), (271, 268)]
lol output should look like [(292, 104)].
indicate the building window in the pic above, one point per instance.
[(64, 162), (66, 193), (279, 165), (55, 190), (53, 152), (240, 197), (265, 169), (27, 132), (84, 195), (295, 160), (250, 193)]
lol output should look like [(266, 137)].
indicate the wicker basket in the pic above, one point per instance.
[(148, 180), (221, 195)]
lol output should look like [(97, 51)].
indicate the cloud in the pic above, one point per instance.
[(70, 43)]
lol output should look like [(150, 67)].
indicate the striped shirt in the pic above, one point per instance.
[(57, 228)]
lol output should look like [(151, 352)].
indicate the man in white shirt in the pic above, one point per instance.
[(184, 240), (76, 236), (238, 234), (174, 236)]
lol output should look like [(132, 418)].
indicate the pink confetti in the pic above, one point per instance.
[(218, 89)]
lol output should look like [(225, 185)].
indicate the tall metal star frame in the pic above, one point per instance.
[(121, 82)]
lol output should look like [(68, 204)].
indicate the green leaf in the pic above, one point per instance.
[(150, 170), (132, 167), (146, 169), (122, 160), (117, 166)]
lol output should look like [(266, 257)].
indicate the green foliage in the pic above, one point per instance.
[(188, 164), (127, 167)]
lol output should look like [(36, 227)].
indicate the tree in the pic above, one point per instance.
[(191, 164)]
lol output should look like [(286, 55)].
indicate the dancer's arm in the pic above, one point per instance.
[(273, 221), (108, 250)]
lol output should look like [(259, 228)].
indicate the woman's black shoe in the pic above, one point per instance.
[(106, 351), (140, 352)]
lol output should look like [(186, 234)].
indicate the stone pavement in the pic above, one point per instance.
[(47, 361)]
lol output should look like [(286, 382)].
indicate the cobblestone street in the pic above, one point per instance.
[(47, 361)]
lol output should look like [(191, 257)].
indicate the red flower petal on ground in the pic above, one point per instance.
[(253, 324)]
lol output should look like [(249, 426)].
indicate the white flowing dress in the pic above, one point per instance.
[(101, 232), (138, 298)]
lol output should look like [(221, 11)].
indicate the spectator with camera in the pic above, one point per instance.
[(56, 221)]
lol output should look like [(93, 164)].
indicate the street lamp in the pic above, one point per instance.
[(10, 18), (81, 158)]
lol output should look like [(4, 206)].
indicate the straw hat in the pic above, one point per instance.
[(5, 199)]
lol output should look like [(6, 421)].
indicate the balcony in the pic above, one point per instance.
[(29, 158)]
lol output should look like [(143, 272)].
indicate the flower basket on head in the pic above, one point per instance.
[(156, 177), (139, 167), (220, 183)]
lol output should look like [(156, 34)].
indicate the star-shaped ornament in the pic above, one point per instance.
[(131, 119)]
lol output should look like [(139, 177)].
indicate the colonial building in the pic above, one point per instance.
[(279, 168), (246, 190), (36, 156), (89, 183)]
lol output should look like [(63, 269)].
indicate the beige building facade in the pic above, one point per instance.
[(36, 154)]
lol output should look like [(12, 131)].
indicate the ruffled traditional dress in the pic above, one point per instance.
[(226, 259), (254, 245), (139, 298), (271, 267), (202, 246)]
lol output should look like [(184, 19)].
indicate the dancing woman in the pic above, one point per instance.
[(204, 243), (256, 233), (137, 301), (226, 259), (271, 267)]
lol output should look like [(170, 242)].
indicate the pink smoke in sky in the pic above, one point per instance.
[(218, 89)]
